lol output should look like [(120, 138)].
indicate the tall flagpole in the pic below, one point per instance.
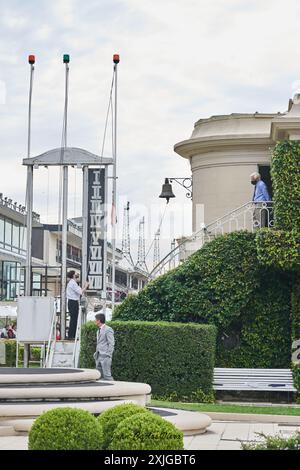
[(31, 60), (116, 59), (66, 60), (29, 203)]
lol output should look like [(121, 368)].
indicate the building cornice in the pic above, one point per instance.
[(227, 117), (191, 147)]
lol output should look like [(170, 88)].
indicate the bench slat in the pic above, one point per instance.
[(253, 379)]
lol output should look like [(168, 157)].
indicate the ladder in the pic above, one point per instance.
[(63, 353)]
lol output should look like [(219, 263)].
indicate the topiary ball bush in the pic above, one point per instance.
[(66, 429), (146, 431), (111, 418)]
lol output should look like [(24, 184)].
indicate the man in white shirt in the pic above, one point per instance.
[(74, 293)]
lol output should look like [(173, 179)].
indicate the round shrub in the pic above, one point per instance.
[(66, 429), (111, 418), (146, 431)]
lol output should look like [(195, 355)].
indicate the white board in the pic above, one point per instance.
[(35, 315)]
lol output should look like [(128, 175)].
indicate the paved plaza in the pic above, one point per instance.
[(227, 435), (223, 435)]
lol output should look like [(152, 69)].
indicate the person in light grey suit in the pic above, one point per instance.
[(105, 347)]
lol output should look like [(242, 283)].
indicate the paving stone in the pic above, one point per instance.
[(262, 428), (14, 443), (288, 429), (229, 445), (187, 441), (207, 441), (236, 431)]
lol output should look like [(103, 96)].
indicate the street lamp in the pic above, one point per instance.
[(167, 191)]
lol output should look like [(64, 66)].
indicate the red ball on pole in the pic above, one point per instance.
[(31, 59), (116, 58)]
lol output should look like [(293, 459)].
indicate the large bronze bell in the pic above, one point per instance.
[(166, 191)]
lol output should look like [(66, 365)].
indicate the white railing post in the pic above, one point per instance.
[(77, 340), (52, 333)]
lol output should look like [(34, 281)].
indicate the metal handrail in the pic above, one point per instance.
[(52, 334), (205, 230), (77, 339)]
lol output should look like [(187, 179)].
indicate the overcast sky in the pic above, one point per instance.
[(180, 61)]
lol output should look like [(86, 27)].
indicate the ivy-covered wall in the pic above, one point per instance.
[(295, 327), (281, 247), (225, 285), (285, 171)]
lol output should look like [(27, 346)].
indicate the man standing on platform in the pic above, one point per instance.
[(261, 216), (105, 347)]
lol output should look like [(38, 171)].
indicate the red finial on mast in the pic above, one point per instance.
[(116, 58), (31, 59)]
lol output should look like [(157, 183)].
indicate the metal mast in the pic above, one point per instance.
[(66, 60), (29, 192), (116, 60), (126, 236), (156, 251), (141, 261), (172, 262), (29, 203)]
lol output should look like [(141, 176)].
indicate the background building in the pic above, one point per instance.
[(46, 256)]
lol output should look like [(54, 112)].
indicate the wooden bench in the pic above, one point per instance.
[(265, 380)]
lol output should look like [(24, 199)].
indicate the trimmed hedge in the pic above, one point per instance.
[(10, 353), (146, 431), (111, 418), (296, 332), (225, 284), (170, 357), (66, 429)]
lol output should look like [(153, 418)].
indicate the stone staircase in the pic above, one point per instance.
[(61, 354)]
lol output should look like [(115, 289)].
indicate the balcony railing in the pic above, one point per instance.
[(251, 217), (7, 202)]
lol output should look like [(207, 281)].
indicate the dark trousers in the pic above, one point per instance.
[(73, 306)]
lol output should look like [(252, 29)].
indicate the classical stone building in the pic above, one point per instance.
[(223, 151)]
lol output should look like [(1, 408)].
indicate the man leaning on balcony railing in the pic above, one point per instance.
[(260, 197)]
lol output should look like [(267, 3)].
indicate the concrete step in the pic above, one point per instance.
[(100, 390), (62, 360), (64, 347), (191, 423), (33, 409), (11, 375), (7, 430), (23, 425)]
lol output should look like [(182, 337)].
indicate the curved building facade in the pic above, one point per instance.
[(223, 151)]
